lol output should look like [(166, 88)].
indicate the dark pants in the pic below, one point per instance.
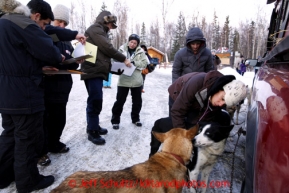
[(161, 125), (121, 96), (239, 71), (21, 143), (171, 102), (54, 123), (94, 102), (143, 77)]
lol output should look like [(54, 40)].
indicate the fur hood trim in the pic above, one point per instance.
[(13, 6)]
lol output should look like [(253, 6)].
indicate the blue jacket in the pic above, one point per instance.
[(57, 87), (24, 48)]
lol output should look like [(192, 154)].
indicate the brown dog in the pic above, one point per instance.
[(163, 172)]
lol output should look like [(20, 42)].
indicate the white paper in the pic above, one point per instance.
[(79, 50), (120, 65)]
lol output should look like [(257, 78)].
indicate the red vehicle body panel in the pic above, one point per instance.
[(271, 97)]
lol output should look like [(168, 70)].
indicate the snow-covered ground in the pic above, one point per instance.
[(124, 147)]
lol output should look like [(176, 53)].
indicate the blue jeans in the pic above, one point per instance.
[(108, 82), (94, 102)]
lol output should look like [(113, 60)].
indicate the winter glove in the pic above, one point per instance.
[(145, 71), (119, 72), (150, 67)]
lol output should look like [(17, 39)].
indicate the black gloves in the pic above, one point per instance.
[(150, 67), (119, 72)]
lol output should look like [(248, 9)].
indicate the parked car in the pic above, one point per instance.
[(267, 125)]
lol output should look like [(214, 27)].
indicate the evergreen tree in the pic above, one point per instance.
[(217, 36), (225, 33), (215, 32), (103, 7), (180, 35), (143, 34)]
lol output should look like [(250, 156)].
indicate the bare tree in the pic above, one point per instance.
[(195, 21), (154, 35), (137, 29), (169, 36), (165, 8), (72, 15), (82, 17), (120, 34)]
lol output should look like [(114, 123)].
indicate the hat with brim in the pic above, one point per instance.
[(114, 25), (111, 19)]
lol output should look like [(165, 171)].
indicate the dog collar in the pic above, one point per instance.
[(177, 157)]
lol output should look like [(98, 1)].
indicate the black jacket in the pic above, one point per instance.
[(57, 87), (25, 49)]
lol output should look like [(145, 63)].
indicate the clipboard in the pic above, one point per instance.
[(63, 72), (120, 65), (83, 50), (73, 60)]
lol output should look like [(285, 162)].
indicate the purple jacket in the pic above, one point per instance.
[(242, 67)]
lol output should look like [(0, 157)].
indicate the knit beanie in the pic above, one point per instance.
[(61, 12), (218, 84), (236, 91), (134, 37)]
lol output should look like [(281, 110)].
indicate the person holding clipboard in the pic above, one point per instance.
[(132, 83), (96, 72)]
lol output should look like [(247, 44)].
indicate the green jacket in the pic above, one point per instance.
[(140, 61), (97, 35)]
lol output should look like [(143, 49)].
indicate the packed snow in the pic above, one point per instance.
[(124, 147)]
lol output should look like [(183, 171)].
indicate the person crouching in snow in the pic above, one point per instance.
[(200, 96)]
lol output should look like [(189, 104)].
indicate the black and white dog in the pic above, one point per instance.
[(209, 144)]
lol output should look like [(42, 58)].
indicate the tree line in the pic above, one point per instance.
[(249, 37)]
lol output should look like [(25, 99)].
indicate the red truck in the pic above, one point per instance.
[(267, 125)]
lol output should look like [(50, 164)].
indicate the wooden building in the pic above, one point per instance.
[(155, 53), (225, 58)]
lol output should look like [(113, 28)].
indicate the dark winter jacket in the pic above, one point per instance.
[(150, 66), (25, 48), (194, 90), (97, 35), (216, 61), (57, 87), (185, 61)]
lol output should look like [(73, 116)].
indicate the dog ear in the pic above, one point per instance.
[(227, 129), (191, 133), (159, 136)]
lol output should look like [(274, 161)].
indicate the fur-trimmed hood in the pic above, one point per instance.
[(13, 6)]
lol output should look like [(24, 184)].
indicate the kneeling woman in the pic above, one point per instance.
[(200, 97)]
